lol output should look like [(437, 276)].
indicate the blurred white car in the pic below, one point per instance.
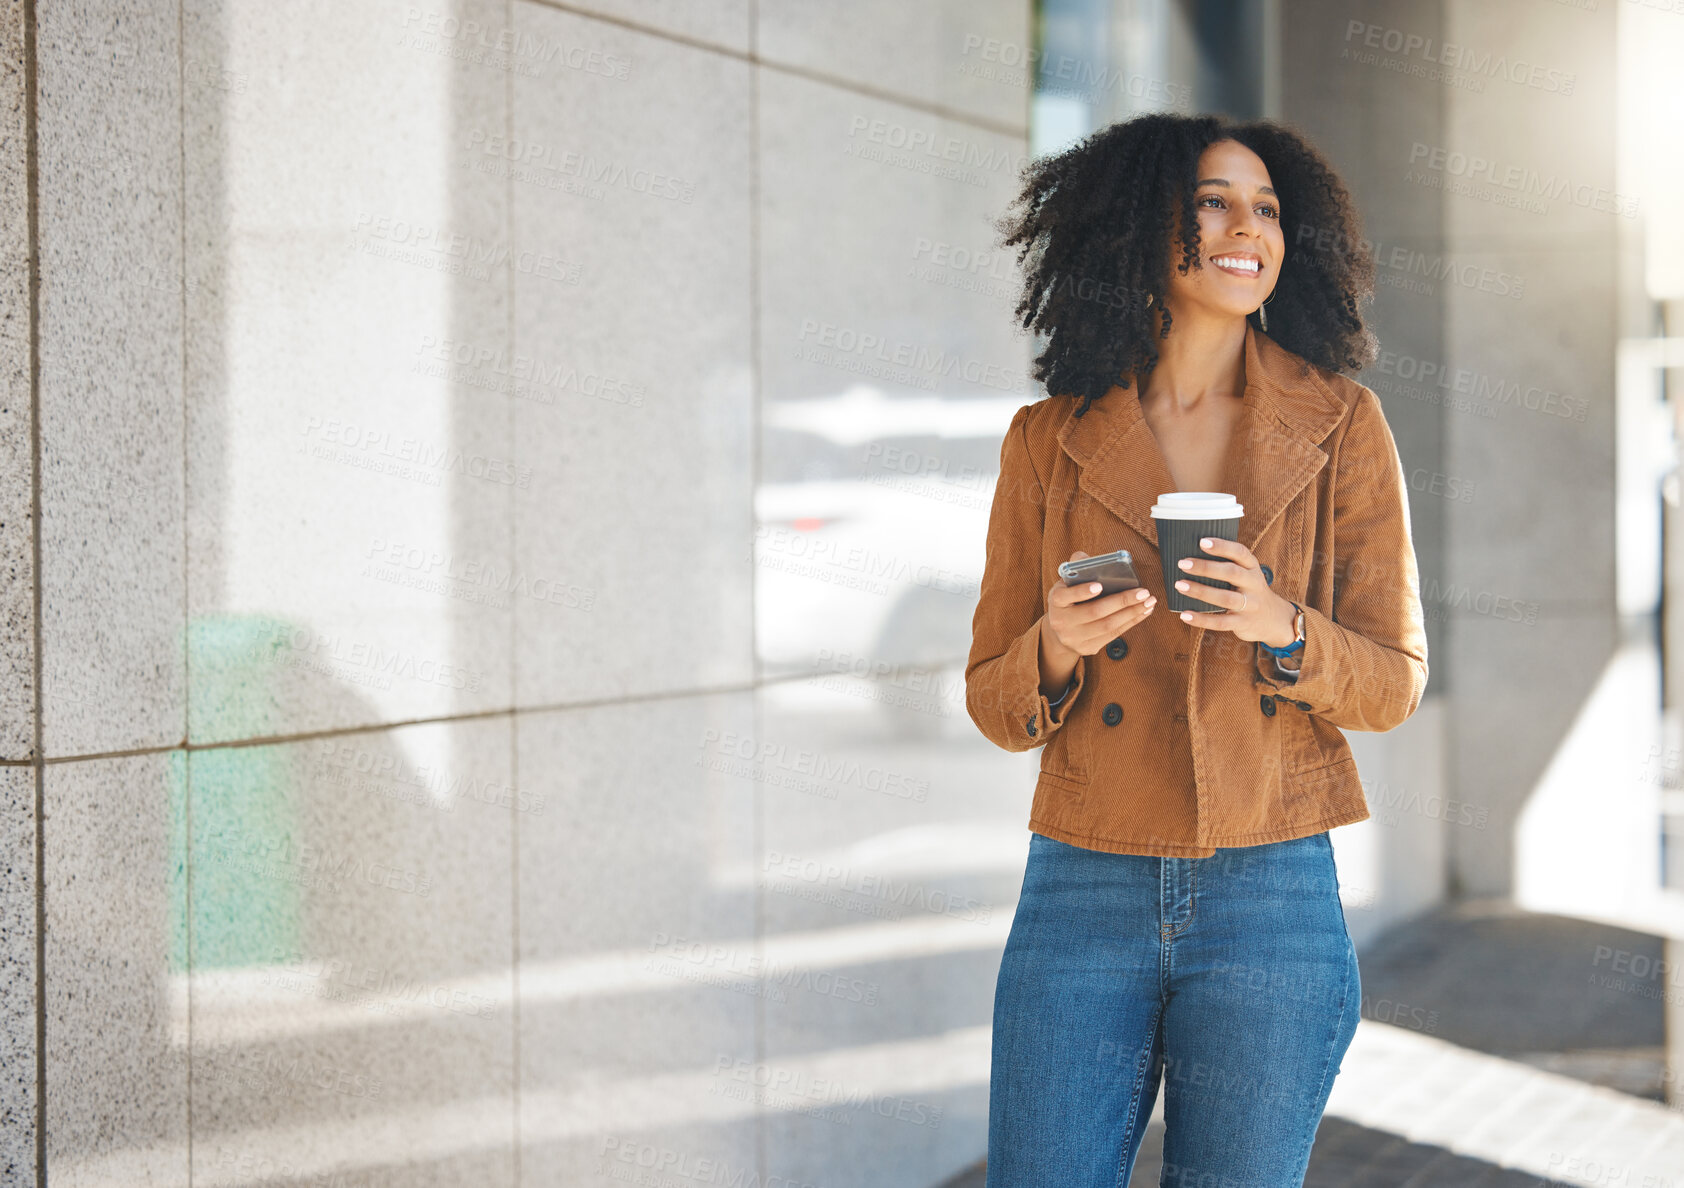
[(870, 538)]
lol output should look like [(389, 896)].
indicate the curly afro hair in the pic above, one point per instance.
[(1093, 224)]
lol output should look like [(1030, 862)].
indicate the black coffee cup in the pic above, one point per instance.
[(1183, 519)]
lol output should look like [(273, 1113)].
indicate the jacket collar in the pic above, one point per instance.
[(1272, 455)]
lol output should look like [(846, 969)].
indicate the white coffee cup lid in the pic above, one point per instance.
[(1196, 505)]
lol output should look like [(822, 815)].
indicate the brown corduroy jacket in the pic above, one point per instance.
[(1213, 746)]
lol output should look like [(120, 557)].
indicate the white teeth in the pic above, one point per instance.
[(1237, 262)]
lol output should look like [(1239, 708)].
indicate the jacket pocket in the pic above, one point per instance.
[(1302, 748), (1066, 752)]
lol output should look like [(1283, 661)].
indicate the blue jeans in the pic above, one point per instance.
[(1233, 977)]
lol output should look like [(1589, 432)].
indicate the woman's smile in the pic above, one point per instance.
[(1239, 264)]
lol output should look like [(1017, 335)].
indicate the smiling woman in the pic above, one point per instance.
[(1180, 916)]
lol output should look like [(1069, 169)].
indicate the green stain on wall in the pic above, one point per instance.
[(247, 904)]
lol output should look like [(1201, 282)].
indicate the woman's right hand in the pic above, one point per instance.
[(1080, 628)]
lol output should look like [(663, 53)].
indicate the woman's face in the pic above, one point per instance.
[(1239, 220)]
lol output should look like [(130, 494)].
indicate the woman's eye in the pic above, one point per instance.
[(1266, 209)]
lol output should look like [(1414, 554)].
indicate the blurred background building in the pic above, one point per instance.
[(493, 503)]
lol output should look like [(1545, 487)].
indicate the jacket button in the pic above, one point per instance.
[(1268, 575), (1113, 714), (1117, 648), (1268, 704)]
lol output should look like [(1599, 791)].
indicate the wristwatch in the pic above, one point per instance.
[(1298, 636)]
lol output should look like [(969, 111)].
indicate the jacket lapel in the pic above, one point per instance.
[(1272, 456)]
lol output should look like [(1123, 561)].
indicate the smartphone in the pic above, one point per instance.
[(1113, 571)]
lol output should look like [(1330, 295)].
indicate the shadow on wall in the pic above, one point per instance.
[(286, 836)]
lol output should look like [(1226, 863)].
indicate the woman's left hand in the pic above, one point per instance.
[(1266, 615)]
